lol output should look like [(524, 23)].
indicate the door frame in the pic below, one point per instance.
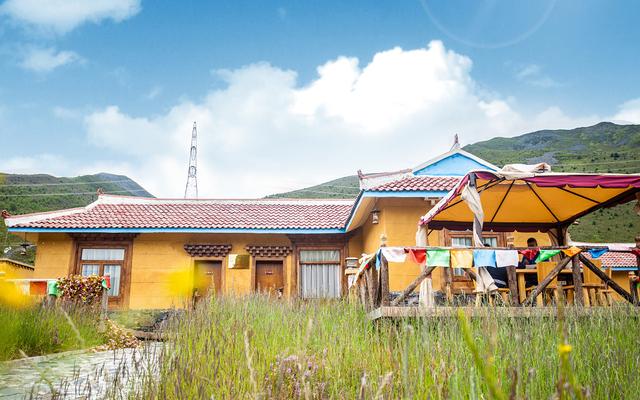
[(223, 270), (255, 260)]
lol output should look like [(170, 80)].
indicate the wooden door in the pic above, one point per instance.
[(269, 277), (207, 278)]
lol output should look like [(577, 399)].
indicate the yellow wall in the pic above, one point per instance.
[(53, 255), (11, 270), (159, 264), (398, 222)]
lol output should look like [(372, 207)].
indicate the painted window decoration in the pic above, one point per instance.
[(320, 274), (465, 241), (103, 262)]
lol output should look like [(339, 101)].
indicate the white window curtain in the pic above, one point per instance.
[(90, 269), (320, 274), (103, 254)]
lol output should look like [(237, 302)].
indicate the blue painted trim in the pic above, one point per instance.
[(354, 209), (624, 268), (407, 193), (180, 230)]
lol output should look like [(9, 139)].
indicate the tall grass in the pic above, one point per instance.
[(254, 347), (34, 330)]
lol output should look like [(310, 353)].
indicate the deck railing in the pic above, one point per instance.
[(371, 286)]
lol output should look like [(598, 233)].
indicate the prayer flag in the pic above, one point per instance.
[(505, 258), (418, 256), (438, 258), (596, 253), (484, 258), (544, 255), (572, 251), (394, 254), (461, 258)]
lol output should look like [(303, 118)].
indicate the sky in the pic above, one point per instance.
[(288, 94)]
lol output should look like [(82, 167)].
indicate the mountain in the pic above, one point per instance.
[(605, 147), (342, 188), (20, 194)]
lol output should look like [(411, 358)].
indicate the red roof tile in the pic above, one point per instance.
[(131, 212), (617, 260), (419, 183)]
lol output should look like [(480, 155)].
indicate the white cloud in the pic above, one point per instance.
[(264, 133), (64, 15), (43, 60), (629, 112), (533, 75)]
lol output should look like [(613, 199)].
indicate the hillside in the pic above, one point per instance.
[(605, 147), (20, 194)]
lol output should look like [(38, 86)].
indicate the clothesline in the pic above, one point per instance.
[(469, 257)]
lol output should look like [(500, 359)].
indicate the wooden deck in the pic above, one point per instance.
[(484, 312)]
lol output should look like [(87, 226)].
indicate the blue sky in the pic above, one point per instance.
[(291, 93)]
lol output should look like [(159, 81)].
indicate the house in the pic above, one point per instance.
[(292, 247)]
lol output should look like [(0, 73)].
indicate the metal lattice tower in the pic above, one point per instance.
[(191, 189)]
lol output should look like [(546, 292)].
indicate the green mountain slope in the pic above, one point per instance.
[(20, 194), (341, 188), (605, 147)]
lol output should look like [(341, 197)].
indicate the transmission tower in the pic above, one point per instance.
[(191, 189)]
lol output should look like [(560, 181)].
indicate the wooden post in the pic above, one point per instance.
[(578, 298), (605, 278), (104, 303), (363, 292), (371, 286), (547, 280), (633, 288), (426, 272), (384, 280), (513, 284), (448, 282)]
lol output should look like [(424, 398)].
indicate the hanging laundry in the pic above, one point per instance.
[(461, 258), (438, 258), (394, 254), (596, 253), (417, 256), (545, 255), (484, 258), (506, 258), (572, 251), (529, 254)]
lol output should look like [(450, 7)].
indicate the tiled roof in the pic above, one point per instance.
[(419, 183), (617, 260), (117, 212)]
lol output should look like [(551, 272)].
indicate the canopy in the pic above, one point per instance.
[(523, 198)]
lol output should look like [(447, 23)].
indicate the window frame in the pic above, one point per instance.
[(121, 300), (450, 235), (328, 247)]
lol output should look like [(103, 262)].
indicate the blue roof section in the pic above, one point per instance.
[(456, 164)]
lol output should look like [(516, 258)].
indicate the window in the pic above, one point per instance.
[(320, 275), (465, 241), (103, 262)]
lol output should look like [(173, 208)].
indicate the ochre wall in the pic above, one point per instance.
[(398, 222), (159, 264), (158, 258), (53, 255), (12, 271)]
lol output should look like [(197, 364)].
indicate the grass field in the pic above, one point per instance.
[(258, 348)]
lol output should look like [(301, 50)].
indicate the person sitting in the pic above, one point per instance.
[(529, 258)]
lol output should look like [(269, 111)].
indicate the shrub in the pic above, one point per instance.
[(81, 289)]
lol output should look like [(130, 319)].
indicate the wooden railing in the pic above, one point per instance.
[(372, 286)]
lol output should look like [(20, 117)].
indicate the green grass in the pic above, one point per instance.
[(258, 348), (38, 331)]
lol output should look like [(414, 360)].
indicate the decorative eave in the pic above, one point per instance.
[(207, 250), (268, 251)]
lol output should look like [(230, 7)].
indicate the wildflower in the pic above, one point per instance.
[(564, 349)]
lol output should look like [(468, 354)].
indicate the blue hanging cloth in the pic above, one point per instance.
[(378, 259), (596, 253)]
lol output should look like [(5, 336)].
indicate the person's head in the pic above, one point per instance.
[(532, 242)]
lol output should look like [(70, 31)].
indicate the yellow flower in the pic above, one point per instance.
[(564, 349)]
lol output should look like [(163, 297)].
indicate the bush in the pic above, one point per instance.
[(85, 290)]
